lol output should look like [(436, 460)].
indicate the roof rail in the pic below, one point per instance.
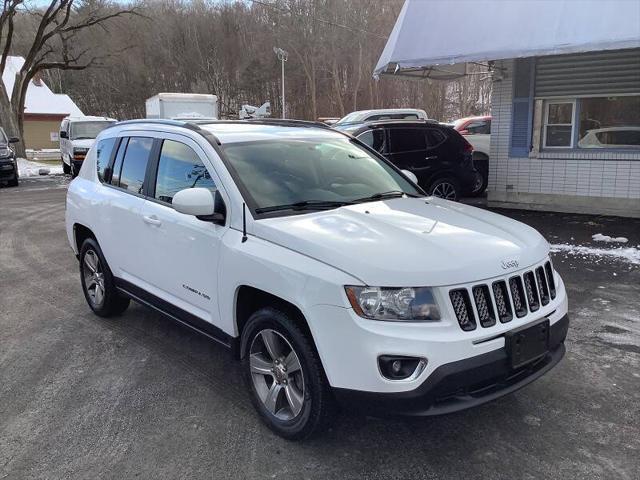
[(285, 122), (160, 121)]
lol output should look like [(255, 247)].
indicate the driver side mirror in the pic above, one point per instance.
[(63, 134), (14, 139), (411, 176), (203, 203)]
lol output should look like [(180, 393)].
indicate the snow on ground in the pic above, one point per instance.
[(598, 237), (629, 254), (27, 168)]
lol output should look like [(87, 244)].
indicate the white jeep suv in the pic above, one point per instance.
[(319, 264)]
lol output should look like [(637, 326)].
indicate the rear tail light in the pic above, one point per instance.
[(466, 146)]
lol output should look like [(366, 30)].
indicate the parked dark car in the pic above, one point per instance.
[(8, 162), (436, 154)]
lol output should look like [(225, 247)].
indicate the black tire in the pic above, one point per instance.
[(318, 405), (66, 169), (74, 171), (13, 182), (445, 184), (112, 303), (482, 166)]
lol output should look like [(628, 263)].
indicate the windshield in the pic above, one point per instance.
[(285, 172), (80, 130), (351, 117)]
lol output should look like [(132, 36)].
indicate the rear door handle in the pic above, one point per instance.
[(152, 220)]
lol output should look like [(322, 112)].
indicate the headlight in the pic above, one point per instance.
[(398, 304), (5, 152)]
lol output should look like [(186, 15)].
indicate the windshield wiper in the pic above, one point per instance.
[(385, 195), (304, 205)]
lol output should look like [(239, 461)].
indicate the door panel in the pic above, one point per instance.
[(184, 251), (127, 256)]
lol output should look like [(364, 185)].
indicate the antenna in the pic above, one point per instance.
[(244, 222)]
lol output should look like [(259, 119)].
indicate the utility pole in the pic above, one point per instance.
[(282, 56)]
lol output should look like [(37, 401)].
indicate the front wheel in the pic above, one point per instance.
[(445, 187), (66, 169), (284, 375)]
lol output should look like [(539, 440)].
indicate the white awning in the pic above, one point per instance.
[(436, 38)]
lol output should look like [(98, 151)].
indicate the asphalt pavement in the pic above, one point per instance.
[(140, 397)]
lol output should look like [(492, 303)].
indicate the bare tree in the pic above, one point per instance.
[(51, 47)]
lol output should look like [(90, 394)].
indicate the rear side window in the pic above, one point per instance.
[(407, 139), (374, 138), (179, 168), (134, 164), (434, 137), (479, 127), (104, 149)]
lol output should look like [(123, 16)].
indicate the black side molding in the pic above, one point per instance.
[(178, 315)]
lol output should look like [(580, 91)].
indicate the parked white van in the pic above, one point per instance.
[(77, 135)]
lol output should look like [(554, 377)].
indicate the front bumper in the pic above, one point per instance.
[(462, 384)]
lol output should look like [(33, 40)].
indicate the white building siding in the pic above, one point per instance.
[(589, 182)]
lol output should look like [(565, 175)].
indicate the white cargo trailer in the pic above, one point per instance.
[(182, 105)]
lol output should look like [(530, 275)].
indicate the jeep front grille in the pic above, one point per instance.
[(519, 295), (462, 307)]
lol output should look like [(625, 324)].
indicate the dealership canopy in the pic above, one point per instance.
[(436, 39)]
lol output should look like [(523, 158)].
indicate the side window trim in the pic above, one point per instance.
[(150, 176), (108, 172)]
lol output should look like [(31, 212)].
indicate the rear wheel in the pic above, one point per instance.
[(445, 187), (284, 375), (66, 169), (14, 181), (97, 282)]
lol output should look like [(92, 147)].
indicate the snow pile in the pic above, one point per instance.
[(598, 237), (27, 168), (630, 254)]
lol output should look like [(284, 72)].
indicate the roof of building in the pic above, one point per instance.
[(435, 39), (40, 99)]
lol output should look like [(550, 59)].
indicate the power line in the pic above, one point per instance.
[(321, 20)]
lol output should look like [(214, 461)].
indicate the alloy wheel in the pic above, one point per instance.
[(277, 374), (93, 278), (444, 190)]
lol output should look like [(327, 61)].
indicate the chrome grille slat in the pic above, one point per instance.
[(552, 283), (542, 285), (517, 296), (484, 305), (463, 309), (501, 296), (531, 291)]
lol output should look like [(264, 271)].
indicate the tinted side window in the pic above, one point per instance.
[(104, 148), (135, 163), (435, 137), (117, 164), (179, 168), (480, 126), (374, 138), (407, 139)]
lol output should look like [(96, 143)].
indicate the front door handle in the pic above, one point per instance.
[(152, 220), (432, 157)]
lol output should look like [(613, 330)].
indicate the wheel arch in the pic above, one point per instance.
[(250, 299), (80, 234)]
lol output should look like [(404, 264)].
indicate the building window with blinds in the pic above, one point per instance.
[(558, 125)]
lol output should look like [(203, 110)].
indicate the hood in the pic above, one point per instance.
[(410, 241), (83, 142)]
